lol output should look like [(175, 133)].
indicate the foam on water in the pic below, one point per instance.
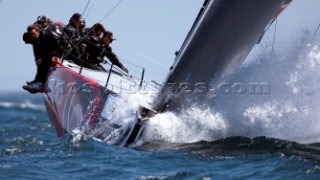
[(192, 125)]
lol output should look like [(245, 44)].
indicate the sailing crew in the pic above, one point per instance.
[(71, 35), (50, 39), (45, 46), (71, 29), (43, 22), (27, 38), (96, 30), (98, 48), (82, 29), (106, 40), (94, 47), (50, 28)]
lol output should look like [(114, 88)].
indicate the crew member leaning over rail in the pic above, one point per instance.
[(106, 40), (50, 39), (45, 46), (98, 48)]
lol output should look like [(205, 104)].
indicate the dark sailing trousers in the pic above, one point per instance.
[(42, 70)]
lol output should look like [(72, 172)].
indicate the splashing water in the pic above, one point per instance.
[(304, 91), (119, 115), (192, 125), (289, 111)]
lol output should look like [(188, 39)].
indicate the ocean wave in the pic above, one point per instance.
[(231, 147), (24, 105), (11, 150)]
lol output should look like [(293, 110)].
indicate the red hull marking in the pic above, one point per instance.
[(56, 109)]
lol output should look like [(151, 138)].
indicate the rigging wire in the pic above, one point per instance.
[(88, 12), (274, 34), (142, 56), (315, 33), (86, 7), (111, 10)]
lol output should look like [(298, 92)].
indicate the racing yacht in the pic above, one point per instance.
[(223, 34)]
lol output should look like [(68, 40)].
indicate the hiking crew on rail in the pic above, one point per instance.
[(86, 47)]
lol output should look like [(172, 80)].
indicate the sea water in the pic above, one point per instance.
[(29, 149)]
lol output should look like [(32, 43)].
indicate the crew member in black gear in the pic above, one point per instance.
[(45, 46), (27, 38), (82, 29), (106, 40), (72, 28), (93, 52), (96, 30), (72, 36)]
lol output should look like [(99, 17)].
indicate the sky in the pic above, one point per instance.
[(148, 32)]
